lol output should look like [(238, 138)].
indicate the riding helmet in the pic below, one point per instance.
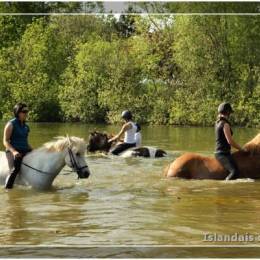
[(18, 108), (127, 115), (225, 108)]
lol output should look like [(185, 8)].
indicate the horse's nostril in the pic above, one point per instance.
[(83, 175)]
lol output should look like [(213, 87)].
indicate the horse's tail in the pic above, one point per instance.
[(160, 153)]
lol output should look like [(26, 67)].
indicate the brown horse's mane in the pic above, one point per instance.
[(254, 145)]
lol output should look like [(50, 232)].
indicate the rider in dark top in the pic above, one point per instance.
[(16, 140), (224, 141)]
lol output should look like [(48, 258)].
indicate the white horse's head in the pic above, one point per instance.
[(74, 150)]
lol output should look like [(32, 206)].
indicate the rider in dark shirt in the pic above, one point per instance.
[(16, 140), (224, 141)]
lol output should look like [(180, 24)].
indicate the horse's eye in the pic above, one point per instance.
[(77, 154)]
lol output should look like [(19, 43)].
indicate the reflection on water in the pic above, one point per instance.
[(128, 201)]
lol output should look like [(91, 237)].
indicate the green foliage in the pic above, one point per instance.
[(165, 69), (32, 69), (123, 88), (219, 60), (78, 94), (125, 25)]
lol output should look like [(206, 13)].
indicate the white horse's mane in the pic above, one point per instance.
[(61, 143)]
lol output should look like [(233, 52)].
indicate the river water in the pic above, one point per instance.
[(128, 204)]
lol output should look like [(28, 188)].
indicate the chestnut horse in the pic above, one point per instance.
[(99, 142), (194, 166)]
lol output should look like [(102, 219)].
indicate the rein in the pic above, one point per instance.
[(72, 160), (37, 170)]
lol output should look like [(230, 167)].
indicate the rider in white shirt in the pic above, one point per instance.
[(129, 130)]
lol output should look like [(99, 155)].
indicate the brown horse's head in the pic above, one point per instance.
[(98, 142)]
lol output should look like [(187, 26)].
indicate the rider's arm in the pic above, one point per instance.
[(229, 138), (125, 127), (6, 139), (29, 146)]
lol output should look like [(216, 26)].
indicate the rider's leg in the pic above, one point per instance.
[(229, 164), (11, 178), (121, 147)]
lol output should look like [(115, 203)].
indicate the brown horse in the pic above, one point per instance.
[(194, 166), (99, 142)]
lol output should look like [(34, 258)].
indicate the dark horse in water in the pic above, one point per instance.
[(99, 142), (194, 166)]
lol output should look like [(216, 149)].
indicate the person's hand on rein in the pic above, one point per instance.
[(113, 139), (16, 154), (110, 140), (244, 150)]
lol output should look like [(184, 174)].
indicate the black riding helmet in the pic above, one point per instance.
[(127, 115), (18, 108), (225, 108)]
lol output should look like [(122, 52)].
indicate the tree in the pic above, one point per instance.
[(33, 71), (85, 75)]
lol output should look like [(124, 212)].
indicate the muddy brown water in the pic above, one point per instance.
[(127, 204)]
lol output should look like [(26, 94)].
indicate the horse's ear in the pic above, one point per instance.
[(69, 140)]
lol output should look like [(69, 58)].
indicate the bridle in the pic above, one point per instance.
[(74, 163)]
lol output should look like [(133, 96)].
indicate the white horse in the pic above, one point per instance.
[(40, 167)]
